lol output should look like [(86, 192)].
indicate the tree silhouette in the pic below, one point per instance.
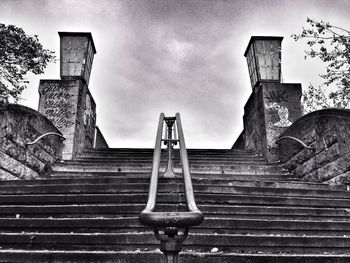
[(19, 54), (331, 44)]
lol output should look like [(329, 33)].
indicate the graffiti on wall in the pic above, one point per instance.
[(279, 96), (275, 128), (56, 101), (283, 114)]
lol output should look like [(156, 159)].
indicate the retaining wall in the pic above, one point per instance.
[(18, 126)]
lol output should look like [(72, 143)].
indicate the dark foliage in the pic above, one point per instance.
[(19, 55)]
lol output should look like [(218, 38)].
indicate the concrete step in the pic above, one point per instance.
[(146, 240), (211, 225), (148, 157), (228, 199), (213, 210), (155, 256), (176, 151), (164, 153), (167, 187), (284, 227), (96, 180), (217, 176), (175, 161), (241, 169)]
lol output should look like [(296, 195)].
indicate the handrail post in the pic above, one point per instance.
[(169, 172), (171, 245)]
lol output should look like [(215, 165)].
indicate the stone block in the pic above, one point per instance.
[(4, 175), (292, 154), (100, 141), (18, 126), (16, 168), (327, 131), (70, 106), (317, 161), (21, 154), (340, 179), (330, 170), (77, 54), (271, 108)]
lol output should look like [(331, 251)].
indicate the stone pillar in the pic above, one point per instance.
[(68, 102), (273, 106)]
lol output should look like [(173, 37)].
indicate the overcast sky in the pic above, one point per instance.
[(173, 56)]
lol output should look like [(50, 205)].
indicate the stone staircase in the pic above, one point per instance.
[(87, 211)]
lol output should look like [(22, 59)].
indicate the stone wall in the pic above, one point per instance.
[(240, 142), (68, 102), (100, 141), (18, 126), (254, 125), (271, 108), (71, 108), (328, 133)]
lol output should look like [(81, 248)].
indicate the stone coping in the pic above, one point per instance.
[(332, 112), (20, 109)]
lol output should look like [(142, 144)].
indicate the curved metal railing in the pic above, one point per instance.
[(171, 242), (44, 135), (297, 140)]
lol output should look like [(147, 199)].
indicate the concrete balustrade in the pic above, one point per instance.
[(328, 132), (18, 126)]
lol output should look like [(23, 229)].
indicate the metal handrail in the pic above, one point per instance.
[(191, 203), (44, 135), (170, 219), (171, 241), (297, 140)]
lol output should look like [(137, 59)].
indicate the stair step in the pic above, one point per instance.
[(172, 198), (150, 150), (96, 180), (146, 174), (193, 158), (211, 225), (87, 211), (166, 187), (224, 242), (244, 169), (130, 209), (176, 162), (155, 256)]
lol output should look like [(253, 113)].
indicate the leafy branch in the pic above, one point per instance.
[(331, 44), (19, 55)]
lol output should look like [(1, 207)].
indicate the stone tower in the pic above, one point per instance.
[(68, 102), (273, 105)]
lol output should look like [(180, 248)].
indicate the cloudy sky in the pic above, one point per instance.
[(173, 56)]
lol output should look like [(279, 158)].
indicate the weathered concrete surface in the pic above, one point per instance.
[(76, 54), (68, 102), (100, 141), (327, 131), (240, 142), (70, 106), (249, 219), (18, 126), (271, 108), (254, 125), (340, 179)]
